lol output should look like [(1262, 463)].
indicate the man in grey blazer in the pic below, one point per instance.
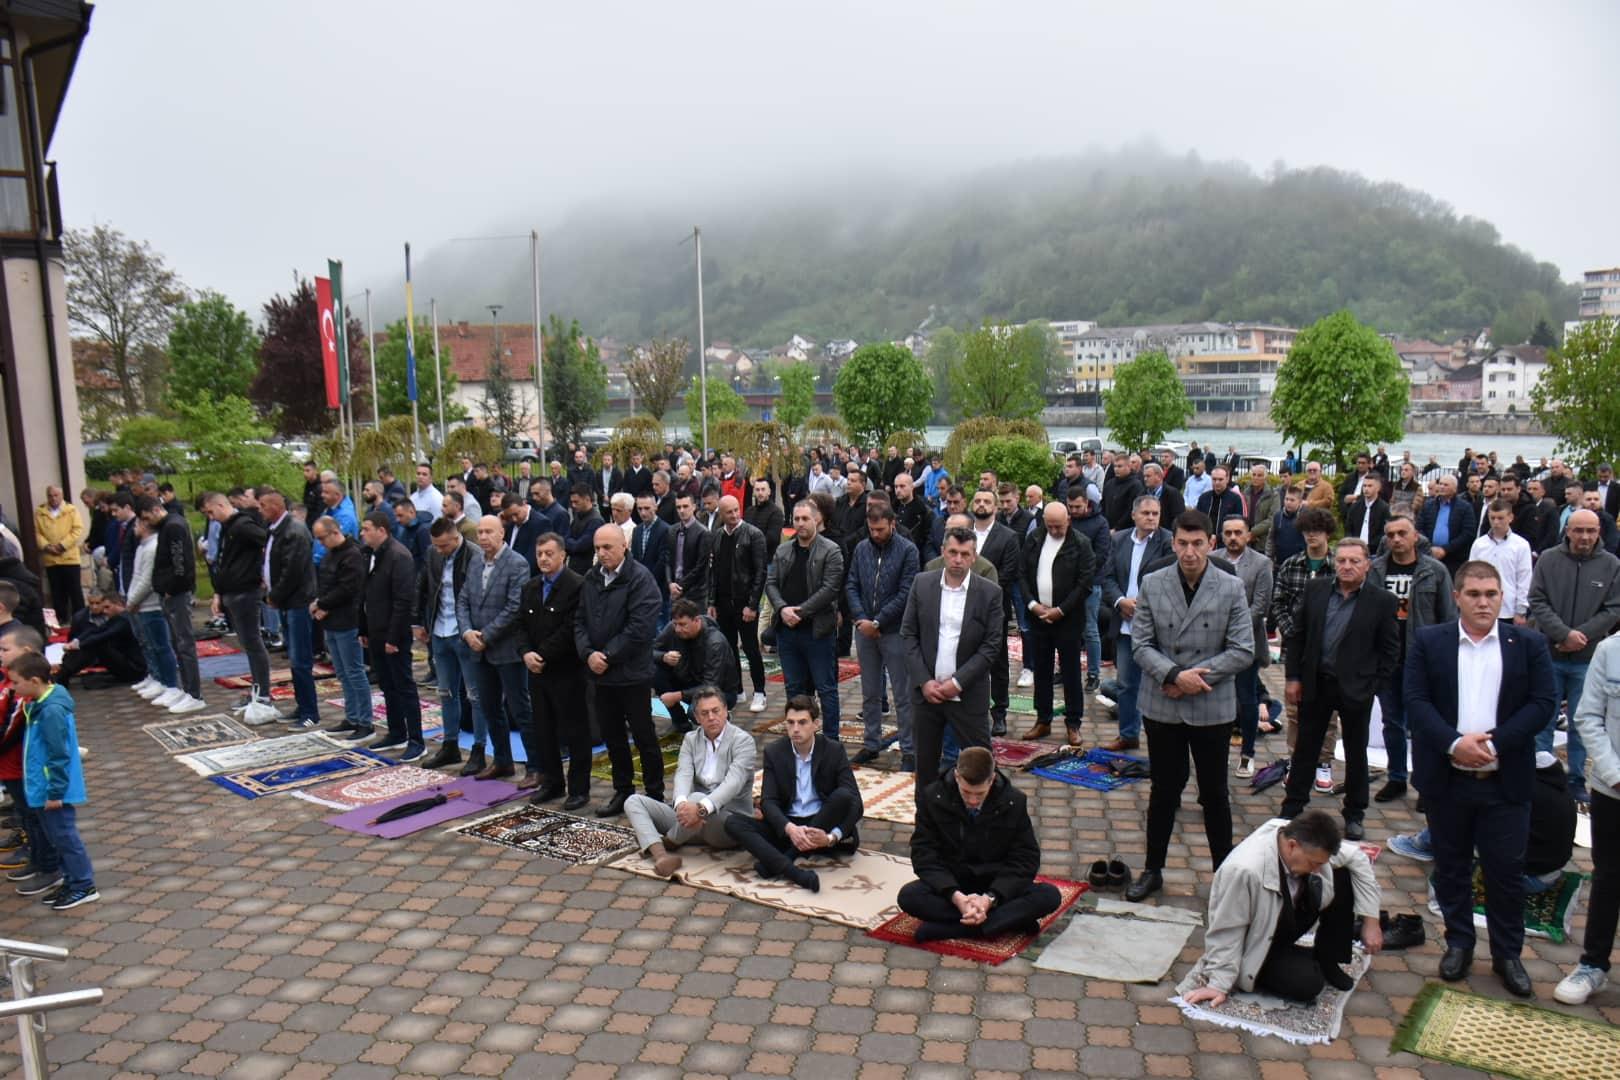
[(487, 613), (1191, 635), (952, 630), (713, 780)]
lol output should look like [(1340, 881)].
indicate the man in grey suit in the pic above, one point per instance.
[(1144, 544), (1003, 549), (487, 613), (1191, 635), (952, 629), (713, 780)]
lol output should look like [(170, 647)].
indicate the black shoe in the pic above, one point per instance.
[(1145, 886), (864, 757), (1455, 963), (549, 793), (908, 763), (614, 806), (344, 728), (1119, 875), (999, 727), (1334, 975), (1354, 830), (449, 754), (1093, 683), (1513, 976), (576, 801), (475, 762), (1099, 874), (804, 879), (1391, 791), (1403, 931)]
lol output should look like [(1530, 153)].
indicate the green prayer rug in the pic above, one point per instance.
[(1549, 914), (1507, 1038), (602, 768), (1022, 703)]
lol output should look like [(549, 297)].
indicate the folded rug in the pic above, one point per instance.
[(1096, 769), (1507, 1038), (902, 930)]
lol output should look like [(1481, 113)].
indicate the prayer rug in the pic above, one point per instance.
[(551, 835), (902, 930), (851, 733), (371, 787), (215, 647), (432, 713), (1022, 703), (1549, 914), (278, 677), (848, 668), (1121, 942), (602, 768), (885, 796), (467, 796), (858, 890), (1090, 770), (1292, 1021), (258, 755), (1507, 1038), (230, 665), (186, 736), (297, 774), (1016, 753)]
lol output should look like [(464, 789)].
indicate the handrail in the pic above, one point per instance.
[(9, 947), (45, 1003)]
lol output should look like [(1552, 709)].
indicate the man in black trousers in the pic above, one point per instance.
[(1341, 650), (810, 801), (556, 676), (1477, 694)]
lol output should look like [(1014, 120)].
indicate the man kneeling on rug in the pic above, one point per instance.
[(810, 799), (1283, 880), (714, 779), (975, 855)]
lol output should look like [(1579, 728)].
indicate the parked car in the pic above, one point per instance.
[(522, 449)]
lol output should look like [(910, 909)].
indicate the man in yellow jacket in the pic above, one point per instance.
[(60, 530)]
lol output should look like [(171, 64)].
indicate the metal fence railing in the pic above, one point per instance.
[(28, 1008)]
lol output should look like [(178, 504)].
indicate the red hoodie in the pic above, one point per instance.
[(11, 735)]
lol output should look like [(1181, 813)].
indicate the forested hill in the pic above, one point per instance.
[(1123, 238)]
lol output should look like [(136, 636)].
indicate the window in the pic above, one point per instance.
[(16, 212)]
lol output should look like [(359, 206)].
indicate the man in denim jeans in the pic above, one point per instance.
[(877, 586), (289, 577), (1575, 601), (802, 584), (442, 580), (340, 579)]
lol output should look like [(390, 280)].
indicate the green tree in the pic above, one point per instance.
[(393, 393), (945, 347), (1147, 401), (724, 404), (1575, 399), (883, 388), (654, 374), (121, 293), (1543, 335), (505, 403), (576, 381), (145, 442), (213, 351), (1004, 371), (227, 439), (797, 398), (1341, 388)]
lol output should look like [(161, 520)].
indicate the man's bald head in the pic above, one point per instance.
[(610, 546)]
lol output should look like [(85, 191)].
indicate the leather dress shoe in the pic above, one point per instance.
[(529, 779), (1455, 963), (1073, 735), (449, 754), (1392, 790), (614, 806), (1119, 875), (1514, 977), (475, 763), (864, 756), (1121, 744), (548, 793), (1037, 730), (1402, 931), (576, 801), (1099, 874), (1149, 883), (998, 727), (498, 771), (1354, 830)]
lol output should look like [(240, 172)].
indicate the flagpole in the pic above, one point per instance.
[(438, 369), (539, 347), (410, 361), (703, 366), (371, 344)]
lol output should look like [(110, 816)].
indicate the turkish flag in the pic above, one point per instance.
[(329, 352)]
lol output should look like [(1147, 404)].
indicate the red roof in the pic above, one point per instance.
[(468, 347)]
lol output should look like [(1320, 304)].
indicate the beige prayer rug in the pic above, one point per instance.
[(259, 755), (886, 796), (199, 733)]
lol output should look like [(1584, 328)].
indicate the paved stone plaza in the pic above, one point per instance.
[(240, 938)]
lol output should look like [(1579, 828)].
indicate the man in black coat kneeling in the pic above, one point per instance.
[(975, 855)]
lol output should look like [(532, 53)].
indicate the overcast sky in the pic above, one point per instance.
[(246, 140)]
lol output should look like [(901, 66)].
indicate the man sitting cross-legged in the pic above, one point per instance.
[(810, 799), (1284, 879), (713, 780), (975, 855)]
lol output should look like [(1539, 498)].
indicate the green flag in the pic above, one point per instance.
[(334, 270)]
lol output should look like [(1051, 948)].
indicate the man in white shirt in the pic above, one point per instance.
[(1510, 554), (426, 498)]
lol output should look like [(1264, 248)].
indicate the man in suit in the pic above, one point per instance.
[(608, 479), (714, 780), (613, 634), (1154, 483), (1086, 518), (1608, 491), (1003, 549), (803, 583), (1342, 649), (688, 553), (975, 855), (1058, 567), (442, 580), (487, 611), (1191, 635), (649, 546), (1448, 522), (385, 623), (582, 529), (952, 629), (550, 605), (1365, 517), (1144, 544), (637, 478), (809, 802), (523, 526), (1254, 570), (1477, 693)]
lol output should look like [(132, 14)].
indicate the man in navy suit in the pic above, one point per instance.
[(649, 546), (1477, 694)]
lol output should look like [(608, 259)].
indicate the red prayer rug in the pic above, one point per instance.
[(902, 930), (848, 668)]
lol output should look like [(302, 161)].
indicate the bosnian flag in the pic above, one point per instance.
[(410, 333)]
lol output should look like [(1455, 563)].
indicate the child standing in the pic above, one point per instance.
[(53, 778)]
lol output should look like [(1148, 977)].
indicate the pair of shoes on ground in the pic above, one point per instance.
[(172, 698), (54, 892), (1456, 962), (1109, 873)]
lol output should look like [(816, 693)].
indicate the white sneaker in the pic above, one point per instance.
[(1324, 779), (188, 704), (758, 704), (1245, 768), (151, 693), (1580, 984), (258, 713), (1026, 679), (169, 696), (145, 684)]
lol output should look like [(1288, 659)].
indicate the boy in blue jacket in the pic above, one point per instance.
[(53, 778)]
